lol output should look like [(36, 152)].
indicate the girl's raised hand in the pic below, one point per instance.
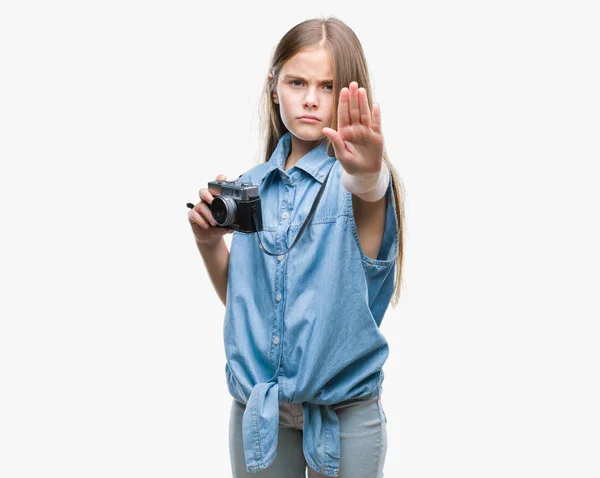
[(358, 142)]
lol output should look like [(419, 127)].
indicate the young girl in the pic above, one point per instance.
[(304, 301)]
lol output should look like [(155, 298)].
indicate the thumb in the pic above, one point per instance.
[(336, 140)]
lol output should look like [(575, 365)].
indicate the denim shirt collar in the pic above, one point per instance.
[(316, 162)]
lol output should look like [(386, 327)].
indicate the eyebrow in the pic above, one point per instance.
[(292, 76)]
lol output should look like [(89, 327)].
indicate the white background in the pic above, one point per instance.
[(114, 114)]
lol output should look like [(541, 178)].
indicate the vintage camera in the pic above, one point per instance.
[(235, 205)]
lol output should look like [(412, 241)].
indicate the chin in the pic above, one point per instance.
[(307, 132)]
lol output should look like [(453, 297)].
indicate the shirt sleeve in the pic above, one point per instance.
[(389, 242), (379, 273)]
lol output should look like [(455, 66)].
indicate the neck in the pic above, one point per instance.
[(290, 162), (298, 149)]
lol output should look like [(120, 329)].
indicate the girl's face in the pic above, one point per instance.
[(305, 87)]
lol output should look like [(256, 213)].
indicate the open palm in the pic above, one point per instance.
[(358, 142)]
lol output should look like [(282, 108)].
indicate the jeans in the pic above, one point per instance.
[(363, 446)]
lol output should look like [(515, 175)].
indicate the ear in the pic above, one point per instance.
[(275, 98)]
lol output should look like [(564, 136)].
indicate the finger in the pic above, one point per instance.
[(195, 217), (376, 118), (206, 195), (343, 114), (336, 140), (365, 111), (221, 177), (198, 207), (206, 213), (354, 112)]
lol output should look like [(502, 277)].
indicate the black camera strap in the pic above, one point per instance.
[(306, 221)]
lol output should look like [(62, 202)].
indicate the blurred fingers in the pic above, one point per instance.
[(377, 118), (365, 111), (343, 115), (205, 195), (353, 93), (195, 217)]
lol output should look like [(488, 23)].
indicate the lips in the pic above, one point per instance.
[(310, 117)]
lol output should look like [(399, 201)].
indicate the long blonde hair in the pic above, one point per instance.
[(349, 64)]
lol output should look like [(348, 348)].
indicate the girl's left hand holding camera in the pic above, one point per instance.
[(201, 219)]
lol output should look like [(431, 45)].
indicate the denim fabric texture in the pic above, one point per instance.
[(303, 327)]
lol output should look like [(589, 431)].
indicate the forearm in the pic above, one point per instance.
[(216, 260)]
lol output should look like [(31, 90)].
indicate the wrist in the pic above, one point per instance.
[(208, 245), (368, 186)]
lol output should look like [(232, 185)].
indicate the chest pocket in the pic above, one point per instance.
[(328, 210), (291, 203), (330, 207)]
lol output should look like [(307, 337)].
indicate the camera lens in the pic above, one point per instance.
[(224, 210)]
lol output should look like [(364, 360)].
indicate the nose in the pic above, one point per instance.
[(311, 100)]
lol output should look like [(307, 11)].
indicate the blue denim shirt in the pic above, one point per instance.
[(303, 327)]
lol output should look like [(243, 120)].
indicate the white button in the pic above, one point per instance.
[(276, 340), (278, 296), (285, 215), (280, 258)]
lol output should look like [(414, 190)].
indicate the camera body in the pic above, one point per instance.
[(234, 204)]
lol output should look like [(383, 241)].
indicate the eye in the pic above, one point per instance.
[(329, 86)]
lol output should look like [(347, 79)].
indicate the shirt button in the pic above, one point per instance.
[(278, 296), (285, 215), (276, 340), (280, 258)]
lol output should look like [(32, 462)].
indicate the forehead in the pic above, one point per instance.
[(311, 64)]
